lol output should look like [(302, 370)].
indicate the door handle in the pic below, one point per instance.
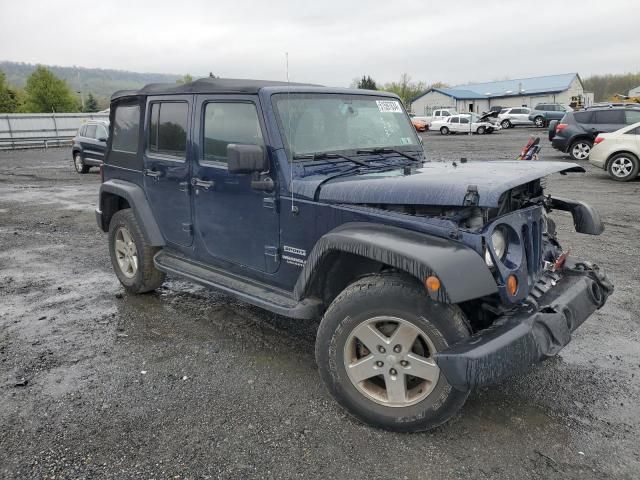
[(203, 184), (152, 173)]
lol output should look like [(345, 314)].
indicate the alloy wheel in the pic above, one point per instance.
[(539, 121), (581, 150), (126, 253), (390, 361), (622, 167), (77, 162)]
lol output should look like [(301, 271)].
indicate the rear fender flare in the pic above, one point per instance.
[(137, 200), (463, 273)]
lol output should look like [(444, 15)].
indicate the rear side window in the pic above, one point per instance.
[(226, 123), (454, 120), (168, 128), (445, 113), (583, 117), (464, 120), (101, 132), (609, 116), (126, 127), (632, 116), (633, 131)]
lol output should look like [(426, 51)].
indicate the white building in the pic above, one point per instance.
[(480, 97)]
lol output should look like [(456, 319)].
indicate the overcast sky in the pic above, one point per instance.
[(329, 41)]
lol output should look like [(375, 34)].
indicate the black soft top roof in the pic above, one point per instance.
[(206, 85)]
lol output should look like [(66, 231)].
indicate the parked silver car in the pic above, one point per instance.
[(510, 117)]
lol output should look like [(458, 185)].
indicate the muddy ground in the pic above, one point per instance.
[(186, 383)]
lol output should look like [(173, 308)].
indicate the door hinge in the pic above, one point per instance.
[(271, 251), (187, 227), (269, 202)]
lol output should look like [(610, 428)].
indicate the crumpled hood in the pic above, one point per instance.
[(437, 183)]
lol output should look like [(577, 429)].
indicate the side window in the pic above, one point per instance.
[(101, 132), (609, 116), (464, 120), (126, 127), (633, 131), (515, 111), (632, 116), (168, 129), (583, 117), (455, 120), (90, 131), (445, 113), (436, 113), (81, 130), (226, 123)]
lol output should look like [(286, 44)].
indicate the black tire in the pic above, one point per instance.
[(623, 167), (539, 122), (444, 131), (401, 297), (506, 124), (580, 149), (78, 163), (480, 130), (146, 277)]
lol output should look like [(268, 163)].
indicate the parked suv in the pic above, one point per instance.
[(430, 279), (577, 130), (543, 113), (510, 117), (89, 145)]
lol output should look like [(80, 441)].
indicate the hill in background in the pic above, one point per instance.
[(97, 81)]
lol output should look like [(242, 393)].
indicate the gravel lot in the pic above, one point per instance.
[(187, 383)]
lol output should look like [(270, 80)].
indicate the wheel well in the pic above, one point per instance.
[(110, 203), (581, 137), (338, 271), (606, 164)]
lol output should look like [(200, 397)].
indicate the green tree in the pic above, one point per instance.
[(185, 79), (367, 83), (405, 89), (8, 97), (47, 93), (91, 105)]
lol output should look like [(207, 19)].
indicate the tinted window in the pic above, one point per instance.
[(445, 113), (168, 128), (126, 127), (226, 123), (101, 132), (464, 120), (436, 113), (632, 116), (454, 120), (633, 131), (516, 111), (609, 116), (583, 117), (90, 131)]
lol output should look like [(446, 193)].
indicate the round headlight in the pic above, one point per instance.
[(499, 244)]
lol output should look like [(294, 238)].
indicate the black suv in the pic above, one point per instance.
[(575, 133), (89, 145), (429, 279)]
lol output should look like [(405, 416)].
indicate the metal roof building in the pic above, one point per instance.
[(566, 88)]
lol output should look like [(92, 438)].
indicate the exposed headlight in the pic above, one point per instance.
[(499, 243)]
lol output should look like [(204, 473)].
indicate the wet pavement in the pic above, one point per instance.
[(187, 383)]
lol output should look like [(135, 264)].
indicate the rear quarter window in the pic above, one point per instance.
[(632, 116), (583, 117), (126, 129)]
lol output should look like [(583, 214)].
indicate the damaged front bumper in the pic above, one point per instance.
[(559, 303)]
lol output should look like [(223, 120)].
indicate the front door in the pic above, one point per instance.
[(166, 166), (234, 222)]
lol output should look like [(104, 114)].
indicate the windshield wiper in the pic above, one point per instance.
[(328, 156), (391, 150)]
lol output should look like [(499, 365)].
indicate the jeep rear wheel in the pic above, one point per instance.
[(375, 352), (131, 255)]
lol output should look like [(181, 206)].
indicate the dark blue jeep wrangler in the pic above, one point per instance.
[(430, 279)]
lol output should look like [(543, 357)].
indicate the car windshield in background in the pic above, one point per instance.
[(313, 123)]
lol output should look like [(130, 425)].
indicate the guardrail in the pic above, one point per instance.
[(37, 130)]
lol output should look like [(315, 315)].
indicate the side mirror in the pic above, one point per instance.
[(246, 158)]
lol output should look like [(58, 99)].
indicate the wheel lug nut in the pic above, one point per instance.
[(397, 349), (379, 364), (393, 371), (381, 349), (404, 363)]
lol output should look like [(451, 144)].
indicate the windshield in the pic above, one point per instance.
[(320, 122)]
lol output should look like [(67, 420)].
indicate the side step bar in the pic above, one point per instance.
[(273, 299)]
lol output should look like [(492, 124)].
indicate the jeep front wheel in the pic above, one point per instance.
[(375, 351), (131, 255)]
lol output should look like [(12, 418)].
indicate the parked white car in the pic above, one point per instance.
[(510, 117), (465, 123), (618, 153), (439, 114)]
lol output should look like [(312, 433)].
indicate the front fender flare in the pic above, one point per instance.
[(462, 272), (135, 196)]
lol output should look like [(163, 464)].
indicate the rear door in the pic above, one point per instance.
[(166, 165), (234, 223), (454, 124)]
